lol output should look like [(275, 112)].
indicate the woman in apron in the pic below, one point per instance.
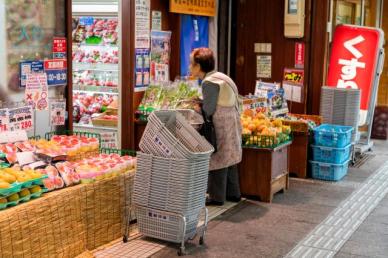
[(220, 101)]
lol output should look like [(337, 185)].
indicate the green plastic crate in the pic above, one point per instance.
[(118, 151), (265, 141), (49, 135)]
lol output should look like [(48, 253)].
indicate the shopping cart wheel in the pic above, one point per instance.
[(181, 251), (125, 239), (202, 240)]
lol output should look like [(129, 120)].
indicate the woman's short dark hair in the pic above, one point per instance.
[(205, 58)]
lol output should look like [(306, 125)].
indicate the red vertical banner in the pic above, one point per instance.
[(353, 61), (299, 54)]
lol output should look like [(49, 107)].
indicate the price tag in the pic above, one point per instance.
[(57, 113), (21, 118), (25, 158), (109, 140), (4, 120)]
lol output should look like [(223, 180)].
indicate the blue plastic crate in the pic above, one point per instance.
[(336, 136), (330, 154), (329, 172)]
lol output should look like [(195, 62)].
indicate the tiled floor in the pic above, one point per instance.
[(142, 247)]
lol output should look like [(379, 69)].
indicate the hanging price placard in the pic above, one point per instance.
[(57, 113), (4, 120), (21, 118)]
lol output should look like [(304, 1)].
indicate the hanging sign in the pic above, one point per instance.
[(27, 67), (299, 54), (294, 76), (203, 7), (21, 118), (57, 113), (4, 120), (59, 47), (56, 71), (354, 62), (36, 93)]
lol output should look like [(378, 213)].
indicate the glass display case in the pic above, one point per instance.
[(95, 58)]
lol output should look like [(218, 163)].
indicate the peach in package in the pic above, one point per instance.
[(54, 180), (67, 172)]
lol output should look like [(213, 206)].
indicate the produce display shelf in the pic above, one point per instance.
[(98, 91), (96, 127), (96, 67)]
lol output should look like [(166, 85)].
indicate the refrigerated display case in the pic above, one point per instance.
[(95, 59)]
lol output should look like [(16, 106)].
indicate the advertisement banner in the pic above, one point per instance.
[(293, 76), (21, 118), (57, 113), (203, 8), (353, 61), (36, 93), (160, 55), (4, 120)]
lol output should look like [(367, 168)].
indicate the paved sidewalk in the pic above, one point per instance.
[(255, 229)]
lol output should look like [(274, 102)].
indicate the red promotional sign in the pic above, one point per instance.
[(55, 64), (299, 55), (59, 44), (353, 61)]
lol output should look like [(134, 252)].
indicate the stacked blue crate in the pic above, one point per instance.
[(331, 152)]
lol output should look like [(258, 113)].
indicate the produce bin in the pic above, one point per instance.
[(264, 171)]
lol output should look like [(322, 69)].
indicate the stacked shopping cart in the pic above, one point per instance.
[(171, 179)]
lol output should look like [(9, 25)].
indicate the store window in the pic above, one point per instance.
[(27, 28)]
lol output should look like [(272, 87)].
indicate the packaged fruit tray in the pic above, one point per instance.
[(15, 187), (265, 141)]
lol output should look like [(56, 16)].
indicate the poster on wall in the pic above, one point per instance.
[(156, 20), (142, 23), (263, 66), (28, 67), (4, 120), (142, 68), (160, 55), (21, 118), (36, 93), (57, 112)]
